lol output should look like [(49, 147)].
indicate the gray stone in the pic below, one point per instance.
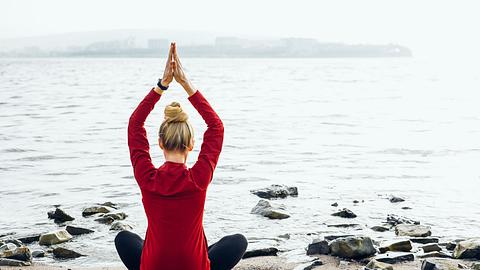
[(275, 191), (14, 252), (29, 238), (264, 208), (260, 252), (475, 266), (59, 216), (318, 246), (63, 253), (77, 230), (313, 265), (427, 265), (353, 247), (395, 220), (95, 210), (468, 249), (403, 245), (424, 240), (374, 264), (335, 204), (412, 230), (450, 245), (121, 226), (110, 204), (343, 225), (333, 237), (394, 257), (38, 254), (11, 262), (435, 254), (55, 237), (430, 247), (380, 228), (345, 213), (395, 199)]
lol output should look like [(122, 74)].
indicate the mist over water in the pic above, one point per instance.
[(338, 129)]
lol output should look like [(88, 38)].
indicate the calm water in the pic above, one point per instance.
[(339, 129)]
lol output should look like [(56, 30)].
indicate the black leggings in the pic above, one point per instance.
[(223, 255)]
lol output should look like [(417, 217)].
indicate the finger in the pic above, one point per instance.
[(175, 54), (170, 53)]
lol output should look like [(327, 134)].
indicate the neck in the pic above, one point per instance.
[(176, 157)]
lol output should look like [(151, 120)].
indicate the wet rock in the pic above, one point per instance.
[(105, 220), (334, 204), (29, 238), (395, 220), (344, 225), (275, 191), (12, 262), (55, 237), (404, 245), (120, 226), (313, 265), (333, 237), (427, 265), (406, 208), (394, 257), (95, 210), (38, 254), (284, 236), (59, 216), (468, 249), (260, 252), (353, 247), (395, 199), (318, 246), (77, 230), (110, 204), (450, 245), (412, 230), (345, 213), (374, 264), (379, 228), (14, 252), (424, 240), (435, 254), (430, 247), (356, 201), (264, 208), (63, 253)]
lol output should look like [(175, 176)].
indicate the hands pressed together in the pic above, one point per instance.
[(174, 70)]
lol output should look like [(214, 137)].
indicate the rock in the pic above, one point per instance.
[(275, 191), (345, 213), (424, 240), (95, 210), (29, 238), (426, 265), (313, 265), (334, 204), (395, 220), (38, 254), (63, 253), (110, 204), (395, 199), (394, 257), (412, 230), (11, 262), (468, 249), (260, 252), (356, 201), (374, 264), (14, 252), (344, 225), (404, 245), (105, 220), (284, 236), (450, 245), (264, 208), (77, 230), (333, 237), (59, 216), (475, 266), (379, 228), (430, 247), (435, 254), (55, 237), (121, 226), (353, 247), (318, 246), (406, 208)]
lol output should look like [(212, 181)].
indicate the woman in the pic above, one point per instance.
[(173, 195)]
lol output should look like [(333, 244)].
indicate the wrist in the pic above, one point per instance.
[(158, 90)]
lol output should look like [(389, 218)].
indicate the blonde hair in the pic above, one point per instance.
[(175, 132)]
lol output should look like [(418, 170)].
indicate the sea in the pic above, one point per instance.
[(340, 130)]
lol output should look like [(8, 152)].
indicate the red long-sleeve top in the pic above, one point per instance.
[(173, 195)]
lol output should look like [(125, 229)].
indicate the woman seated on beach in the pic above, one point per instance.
[(173, 195)]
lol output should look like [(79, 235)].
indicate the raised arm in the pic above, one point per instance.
[(202, 170)]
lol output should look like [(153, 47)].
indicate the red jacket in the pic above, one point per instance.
[(173, 195)]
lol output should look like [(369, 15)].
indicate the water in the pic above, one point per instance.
[(339, 129)]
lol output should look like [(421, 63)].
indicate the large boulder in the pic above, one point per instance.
[(318, 246), (403, 245), (345, 213), (264, 208), (55, 237), (353, 247), (412, 230), (275, 191), (59, 216), (95, 210), (468, 249)]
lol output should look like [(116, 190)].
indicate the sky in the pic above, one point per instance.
[(429, 27)]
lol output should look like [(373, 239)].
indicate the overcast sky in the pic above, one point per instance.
[(429, 27)]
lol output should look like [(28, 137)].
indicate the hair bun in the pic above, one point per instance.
[(175, 113)]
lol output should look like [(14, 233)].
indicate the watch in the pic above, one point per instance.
[(159, 84)]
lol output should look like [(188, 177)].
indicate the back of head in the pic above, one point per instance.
[(175, 132)]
